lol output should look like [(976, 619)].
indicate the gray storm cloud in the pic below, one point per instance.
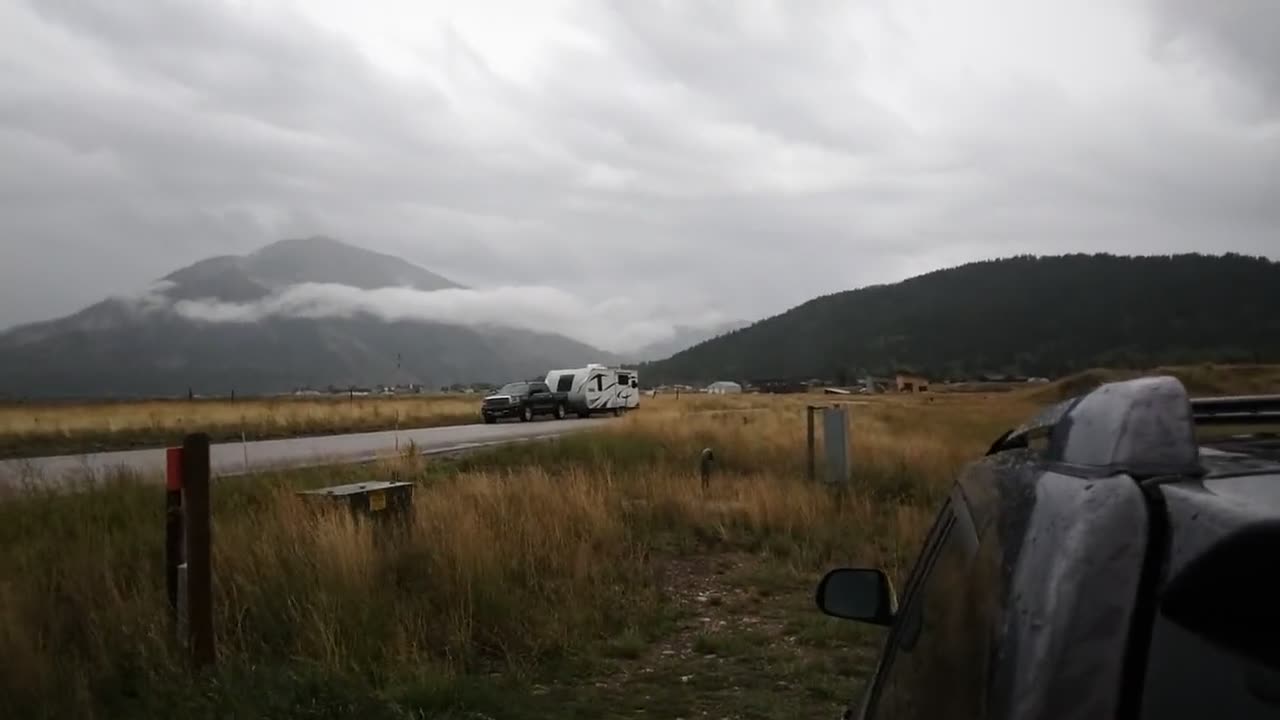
[(739, 157), (617, 325)]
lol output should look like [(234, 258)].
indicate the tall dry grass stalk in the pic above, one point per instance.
[(520, 556)]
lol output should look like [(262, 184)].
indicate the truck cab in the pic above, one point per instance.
[(524, 400), (1112, 558)]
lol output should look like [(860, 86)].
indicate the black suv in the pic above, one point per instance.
[(523, 400), (1114, 558)]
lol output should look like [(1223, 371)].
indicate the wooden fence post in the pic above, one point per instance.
[(199, 596)]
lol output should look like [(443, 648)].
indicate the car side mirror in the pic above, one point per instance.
[(865, 595)]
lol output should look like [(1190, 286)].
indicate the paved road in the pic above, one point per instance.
[(237, 458)]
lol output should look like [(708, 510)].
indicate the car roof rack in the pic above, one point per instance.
[(1237, 410), (1143, 427)]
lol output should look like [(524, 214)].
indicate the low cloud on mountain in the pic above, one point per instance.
[(619, 324)]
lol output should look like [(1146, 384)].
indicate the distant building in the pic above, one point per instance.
[(724, 387), (912, 383), (779, 386), (871, 384)]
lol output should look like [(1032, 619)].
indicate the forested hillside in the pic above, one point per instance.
[(1022, 315)]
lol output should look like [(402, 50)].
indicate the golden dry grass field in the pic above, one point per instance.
[(584, 577), (29, 429)]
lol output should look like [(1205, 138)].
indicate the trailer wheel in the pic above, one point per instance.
[(560, 411), (583, 414), (617, 412)]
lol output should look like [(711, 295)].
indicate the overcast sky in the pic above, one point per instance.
[(732, 158)]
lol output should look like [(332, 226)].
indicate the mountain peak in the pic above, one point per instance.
[(315, 259), (321, 259), (145, 346), (313, 243)]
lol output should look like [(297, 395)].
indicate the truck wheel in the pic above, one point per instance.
[(559, 411), (489, 419), (526, 413)]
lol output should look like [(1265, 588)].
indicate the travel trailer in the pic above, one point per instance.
[(597, 388)]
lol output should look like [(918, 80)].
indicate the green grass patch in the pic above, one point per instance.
[(730, 644), (629, 645)]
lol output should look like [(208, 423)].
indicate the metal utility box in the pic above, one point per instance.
[(835, 440), (374, 500)]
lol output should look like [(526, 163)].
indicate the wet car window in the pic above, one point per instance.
[(1187, 676), (937, 668)]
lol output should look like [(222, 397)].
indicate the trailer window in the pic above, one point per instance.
[(565, 383), (624, 379), (600, 382)]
